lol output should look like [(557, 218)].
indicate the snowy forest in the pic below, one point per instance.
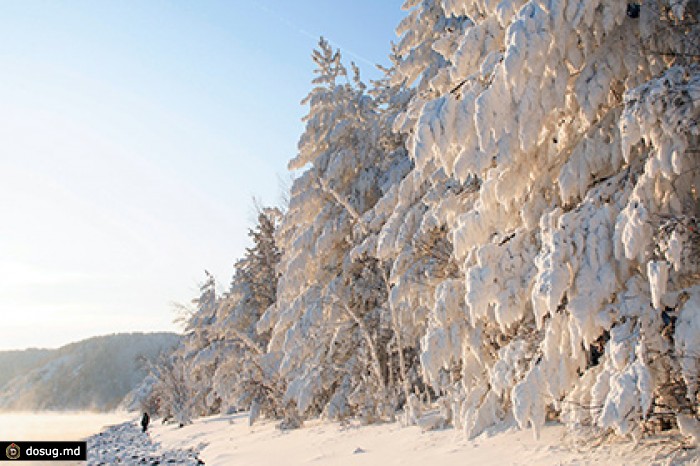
[(504, 228)]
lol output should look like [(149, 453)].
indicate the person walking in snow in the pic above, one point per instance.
[(144, 421)]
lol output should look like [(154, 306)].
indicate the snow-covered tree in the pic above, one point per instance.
[(201, 349), (505, 227), (329, 325), (183, 380), (170, 393), (245, 379), (533, 131), (221, 364)]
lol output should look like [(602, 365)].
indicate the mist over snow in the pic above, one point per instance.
[(56, 425)]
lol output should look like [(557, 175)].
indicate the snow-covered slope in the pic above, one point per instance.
[(96, 373)]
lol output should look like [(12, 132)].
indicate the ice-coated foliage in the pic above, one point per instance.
[(220, 364), (244, 378), (505, 227), (581, 146), (330, 328)]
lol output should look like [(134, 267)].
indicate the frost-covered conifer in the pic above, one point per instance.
[(221, 364), (183, 385), (330, 325), (504, 228), (557, 145), (200, 350), (245, 378)]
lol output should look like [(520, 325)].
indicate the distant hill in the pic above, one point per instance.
[(94, 374), (13, 363)]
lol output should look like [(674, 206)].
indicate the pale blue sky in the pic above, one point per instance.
[(133, 136)]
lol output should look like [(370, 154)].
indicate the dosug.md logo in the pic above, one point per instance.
[(12, 451)]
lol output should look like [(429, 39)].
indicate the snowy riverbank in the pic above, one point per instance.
[(224, 440), (126, 444)]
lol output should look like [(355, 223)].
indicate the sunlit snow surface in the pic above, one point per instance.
[(229, 440)]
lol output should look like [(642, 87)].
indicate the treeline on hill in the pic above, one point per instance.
[(503, 227), (95, 374)]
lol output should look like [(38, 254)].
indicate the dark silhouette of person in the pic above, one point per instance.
[(144, 421)]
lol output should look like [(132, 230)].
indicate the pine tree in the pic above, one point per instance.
[(201, 349), (245, 380), (327, 325)]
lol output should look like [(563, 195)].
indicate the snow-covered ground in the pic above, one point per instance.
[(228, 440), (127, 444)]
